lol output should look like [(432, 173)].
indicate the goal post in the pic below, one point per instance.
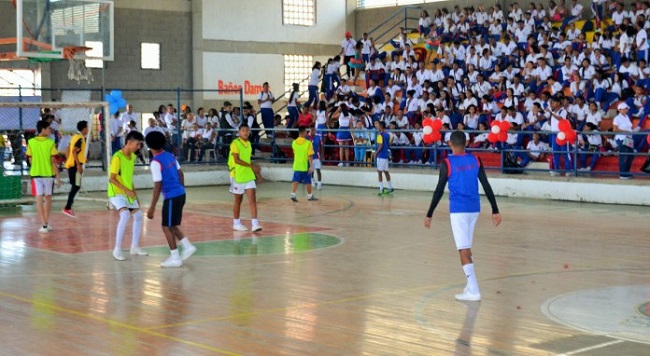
[(18, 125)]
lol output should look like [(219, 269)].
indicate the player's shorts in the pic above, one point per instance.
[(42, 186), (172, 211), (462, 227), (241, 188), (301, 177), (122, 201), (382, 164), (317, 163)]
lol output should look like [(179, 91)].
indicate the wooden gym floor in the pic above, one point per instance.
[(350, 274)]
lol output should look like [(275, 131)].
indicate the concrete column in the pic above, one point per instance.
[(197, 53)]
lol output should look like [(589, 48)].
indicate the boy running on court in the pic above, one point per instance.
[(316, 141), (168, 178), (303, 163), (383, 155), (41, 153), (243, 174), (463, 171), (75, 164), (122, 195)]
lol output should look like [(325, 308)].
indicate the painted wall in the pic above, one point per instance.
[(261, 20)]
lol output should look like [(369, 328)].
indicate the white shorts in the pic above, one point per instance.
[(382, 164), (317, 164), (462, 227), (42, 186), (122, 201), (241, 188)]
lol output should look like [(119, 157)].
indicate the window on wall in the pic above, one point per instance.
[(19, 82), (150, 55), (96, 50), (299, 12), (296, 70)]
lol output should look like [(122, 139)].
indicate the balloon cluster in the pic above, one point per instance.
[(648, 139), (431, 130), (566, 134), (115, 101), (499, 131)]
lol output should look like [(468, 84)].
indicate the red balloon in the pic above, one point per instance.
[(571, 136), (437, 136), (492, 137), (427, 122), (648, 139), (564, 125), (560, 142), (504, 125), (503, 136), (428, 139), (437, 124)]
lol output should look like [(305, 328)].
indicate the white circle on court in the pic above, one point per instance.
[(621, 312)]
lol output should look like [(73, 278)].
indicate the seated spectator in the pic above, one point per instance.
[(534, 150), (361, 136), (590, 146)]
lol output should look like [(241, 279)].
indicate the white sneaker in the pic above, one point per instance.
[(569, 174), (239, 227), (188, 252), (340, 164), (43, 230), (554, 174), (118, 255), (587, 169), (256, 228), (319, 186), (172, 262), (138, 251), (467, 296)]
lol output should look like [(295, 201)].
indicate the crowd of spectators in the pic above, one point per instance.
[(531, 67)]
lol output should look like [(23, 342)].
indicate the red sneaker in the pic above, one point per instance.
[(69, 213)]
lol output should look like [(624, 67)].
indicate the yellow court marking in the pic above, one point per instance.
[(118, 324)]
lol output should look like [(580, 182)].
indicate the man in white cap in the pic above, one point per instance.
[(623, 128)]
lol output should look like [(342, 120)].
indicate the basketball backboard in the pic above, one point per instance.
[(46, 27)]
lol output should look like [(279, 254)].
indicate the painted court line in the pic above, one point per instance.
[(590, 348)]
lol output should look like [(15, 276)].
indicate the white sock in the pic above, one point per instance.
[(185, 242), (137, 229), (175, 254), (390, 185), (293, 195), (237, 221), (472, 284), (255, 222), (381, 185), (121, 227), (309, 196)]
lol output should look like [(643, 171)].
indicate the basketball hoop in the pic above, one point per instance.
[(78, 70)]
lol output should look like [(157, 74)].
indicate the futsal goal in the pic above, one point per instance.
[(18, 125)]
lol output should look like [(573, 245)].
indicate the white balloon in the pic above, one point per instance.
[(496, 129), (561, 135), (427, 130)]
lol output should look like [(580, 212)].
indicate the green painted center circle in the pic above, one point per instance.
[(267, 245)]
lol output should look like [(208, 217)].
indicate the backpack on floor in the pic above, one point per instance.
[(510, 164)]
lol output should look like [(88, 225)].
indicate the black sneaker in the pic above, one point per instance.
[(313, 198), (295, 200)]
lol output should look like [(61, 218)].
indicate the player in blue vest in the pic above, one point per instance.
[(168, 178), (463, 171), (383, 155), (316, 141)]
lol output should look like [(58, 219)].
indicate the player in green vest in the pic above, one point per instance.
[(243, 175), (41, 153), (122, 195)]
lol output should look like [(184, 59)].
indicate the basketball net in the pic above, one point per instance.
[(78, 70)]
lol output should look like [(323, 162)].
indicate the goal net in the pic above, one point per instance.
[(18, 125)]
